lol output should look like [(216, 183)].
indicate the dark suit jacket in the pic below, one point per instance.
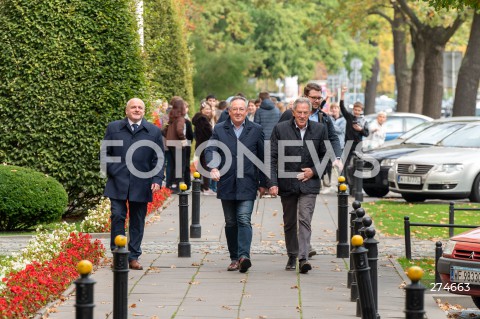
[(123, 184), (230, 186)]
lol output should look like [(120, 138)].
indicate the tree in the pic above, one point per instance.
[(169, 69), (67, 68), (430, 38)]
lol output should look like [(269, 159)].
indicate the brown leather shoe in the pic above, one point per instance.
[(134, 264)]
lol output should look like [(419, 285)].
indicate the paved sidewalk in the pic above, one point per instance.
[(201, 287)]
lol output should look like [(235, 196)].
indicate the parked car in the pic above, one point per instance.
[(399, 123), (450, 170), (460, 265), (422, 136)]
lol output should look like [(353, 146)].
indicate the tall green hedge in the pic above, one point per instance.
[(67, 68), (169, 69)]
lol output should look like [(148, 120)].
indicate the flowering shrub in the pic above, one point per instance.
[(38, 283), (98, 219)]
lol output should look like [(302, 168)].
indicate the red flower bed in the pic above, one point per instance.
[(40, 283), (159, 198)]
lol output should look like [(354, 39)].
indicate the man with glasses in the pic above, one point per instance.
[(237, 193)]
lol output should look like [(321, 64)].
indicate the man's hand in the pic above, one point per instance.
[(215, 174), (338, 163), (357, 127), (155, 187), (307, 174), (262, 191), (273, 191)]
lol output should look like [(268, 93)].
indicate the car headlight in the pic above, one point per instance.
[(388, 162), (448, 168), (449, 247)]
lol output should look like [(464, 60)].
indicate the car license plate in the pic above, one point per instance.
[(413, 180), (464, 274)]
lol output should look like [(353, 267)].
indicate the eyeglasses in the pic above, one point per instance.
[(315, 98)]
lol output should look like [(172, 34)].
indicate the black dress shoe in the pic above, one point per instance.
[(244, 264), (304, 266), (292, 263)]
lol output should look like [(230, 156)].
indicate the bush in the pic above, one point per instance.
[(67, 68), (29, 198)]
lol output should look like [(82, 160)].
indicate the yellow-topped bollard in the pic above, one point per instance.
[(357, 240), (183, 187), (196, 175), (84, 267), (342, 187), (341, 179), (415, 273), (121, 241)]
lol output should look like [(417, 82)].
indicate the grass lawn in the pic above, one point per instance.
[(428, 266), (388, 218)]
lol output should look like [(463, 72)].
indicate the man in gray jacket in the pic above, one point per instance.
[(298, 182), (267, 115)]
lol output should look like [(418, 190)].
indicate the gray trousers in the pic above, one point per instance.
[(299, 208)]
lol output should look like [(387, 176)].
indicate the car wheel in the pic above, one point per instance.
[(476, 301), (411, 198), (376, 191), (475, 194)]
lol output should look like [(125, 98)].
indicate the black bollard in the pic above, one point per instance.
[(184, 244), (84, 291), (414, 294), (366, 222), (195, 228), (353, 216), (408, 239), (120, 278), (342, 246), (438, 254), (372, 245), (362, 275), (360, 212), (359, 180)]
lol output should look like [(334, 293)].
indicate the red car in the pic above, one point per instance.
[(459, 266)]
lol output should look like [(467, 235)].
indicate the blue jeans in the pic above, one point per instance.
[(238, 227), (213, 185)]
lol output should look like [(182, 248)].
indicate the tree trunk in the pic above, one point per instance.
[(371, 85), (469, 74), (433, 93), (402, 71), (418, 76)]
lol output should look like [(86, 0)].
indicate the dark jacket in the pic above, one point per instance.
[(231, 186), (287, 131), (350, 133), (331, 133), (223, 116), (121, 183), (203, 128), (267, 116)]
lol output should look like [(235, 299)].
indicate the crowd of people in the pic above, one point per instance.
[(310, 121)]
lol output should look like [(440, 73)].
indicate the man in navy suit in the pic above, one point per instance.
[(134, 170), (237, 186)]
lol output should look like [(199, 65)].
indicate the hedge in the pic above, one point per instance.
[(169, 69), (29, 198), (67, 68)]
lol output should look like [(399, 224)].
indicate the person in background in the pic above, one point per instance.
[(281, 107), (222, 112), (376, 138), (237, 193), (187, 177), (251, 110), (176, 137), (267, 115), (355, 129), (258, 102), (339, 124), (126, 190), (203, 132)]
